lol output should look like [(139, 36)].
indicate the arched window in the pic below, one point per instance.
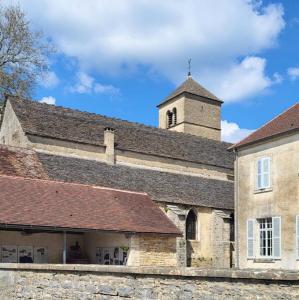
[(191, 226), (174, 116), (169, 119)]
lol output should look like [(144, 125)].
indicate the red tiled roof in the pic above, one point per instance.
[(45, 203), (283, 123)]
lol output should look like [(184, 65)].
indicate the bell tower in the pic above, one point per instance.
[(192, 109)]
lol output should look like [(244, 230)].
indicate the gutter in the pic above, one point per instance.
[(6, 226)]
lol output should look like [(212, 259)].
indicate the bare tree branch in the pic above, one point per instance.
[(23, 53)]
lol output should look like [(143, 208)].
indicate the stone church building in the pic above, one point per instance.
[(182, 166)]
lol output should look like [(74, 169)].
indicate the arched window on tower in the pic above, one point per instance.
[(174, 116), (191, 225), (169, 119)]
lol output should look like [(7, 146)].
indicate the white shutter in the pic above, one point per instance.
[(276, 238), (263, 178), (266, 172), (259, 174), (250, 238), (297, 236)]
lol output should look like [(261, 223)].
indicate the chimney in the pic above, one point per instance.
[(109, 143)]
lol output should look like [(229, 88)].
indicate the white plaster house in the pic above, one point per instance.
[(267, 195)]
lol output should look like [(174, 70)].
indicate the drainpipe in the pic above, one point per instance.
[(236, 196), (109, 143)]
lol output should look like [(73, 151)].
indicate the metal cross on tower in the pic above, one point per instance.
[(189, 67)]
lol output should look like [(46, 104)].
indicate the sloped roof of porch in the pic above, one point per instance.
[(48, 204)]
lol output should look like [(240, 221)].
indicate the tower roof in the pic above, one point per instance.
[(192, 87)]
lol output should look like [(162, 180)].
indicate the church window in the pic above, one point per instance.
[(191, 226), (169, 119), (174, 116)]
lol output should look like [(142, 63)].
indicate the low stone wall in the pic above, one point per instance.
[(116, 282)]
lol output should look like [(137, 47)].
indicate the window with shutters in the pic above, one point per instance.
[(268, 241), (269, 237), (263, 175)]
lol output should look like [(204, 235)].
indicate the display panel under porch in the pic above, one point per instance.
[(56, 247)]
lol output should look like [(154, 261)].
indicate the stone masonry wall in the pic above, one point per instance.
[(152, 250), (95, 282)]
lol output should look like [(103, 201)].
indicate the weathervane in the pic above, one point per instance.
[(189, 67)]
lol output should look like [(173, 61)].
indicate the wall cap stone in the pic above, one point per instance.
[(256, 274)]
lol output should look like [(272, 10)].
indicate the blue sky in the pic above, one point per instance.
[(122, 57)]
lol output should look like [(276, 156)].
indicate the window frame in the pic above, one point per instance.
[(267, 230)]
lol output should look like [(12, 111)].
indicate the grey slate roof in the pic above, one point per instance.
[(192, 87), (72, 125), (161, 186)]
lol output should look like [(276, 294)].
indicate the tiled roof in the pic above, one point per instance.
[(20, 162), (192, 87), (45, 203), (160, 186), (285, 122), (71, 125)]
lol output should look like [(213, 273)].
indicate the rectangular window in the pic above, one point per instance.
[(263, 173), (270, 237), (265, 229)]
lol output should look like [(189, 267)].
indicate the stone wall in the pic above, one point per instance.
[(195, 115), (213, 245), (152, 250), (107, 282), (11, 132)]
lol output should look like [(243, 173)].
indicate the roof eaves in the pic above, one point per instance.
[(79, 229), (264, 139), (241, 144), (168, 99)]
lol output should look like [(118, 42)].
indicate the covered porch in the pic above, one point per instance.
[(44, 221)]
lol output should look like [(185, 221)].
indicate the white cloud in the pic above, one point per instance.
[(87, 84), (293, 73), (49, 80), (49, 100), (106, 89), (123, 35), (242, 80), (84, 84), (231, 132)]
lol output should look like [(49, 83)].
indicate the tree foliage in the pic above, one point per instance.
[(23, 53)]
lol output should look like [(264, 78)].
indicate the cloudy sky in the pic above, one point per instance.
[(122, 57)]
